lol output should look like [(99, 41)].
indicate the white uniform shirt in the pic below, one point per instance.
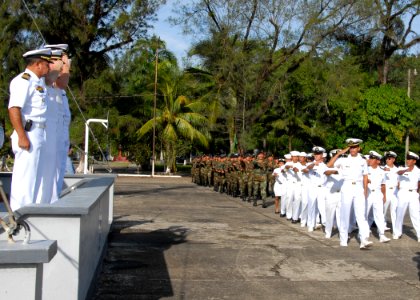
[(333, 182), (53, 108), (317, 174), (409, 180), (66, 112), (376, 177), (280, 178), (29, 93), (352, 168), (391, 176), (293, 176)]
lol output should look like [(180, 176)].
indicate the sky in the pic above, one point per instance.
[(176, 42)]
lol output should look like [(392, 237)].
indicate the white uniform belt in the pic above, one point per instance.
[(39, 124), (352, 181), (408, 190)]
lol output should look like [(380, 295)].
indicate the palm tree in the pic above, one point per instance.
[(178, 117)]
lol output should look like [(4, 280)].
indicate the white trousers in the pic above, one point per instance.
[(391, 203), (63, 144), (410, 200), (332, 211), (296, 200), (352, 195), (304, 202), (316, 197), (284, 205), (26, 169), (48, 185), (290, 196), (375, 205)]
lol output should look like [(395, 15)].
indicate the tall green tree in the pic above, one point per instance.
[(95, 30), (176, 116)]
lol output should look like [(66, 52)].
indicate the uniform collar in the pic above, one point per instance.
[(33, 75)]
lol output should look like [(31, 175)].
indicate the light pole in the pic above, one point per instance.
[(105, 123), (407, 138), (154, 108)]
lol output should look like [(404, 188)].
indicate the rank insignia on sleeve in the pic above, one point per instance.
[(40, 89), (26, 76)]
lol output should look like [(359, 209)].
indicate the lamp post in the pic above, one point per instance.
[(407, 138), (154, 108), (105, 123)]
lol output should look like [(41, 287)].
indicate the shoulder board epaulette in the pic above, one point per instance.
[(26, 76)]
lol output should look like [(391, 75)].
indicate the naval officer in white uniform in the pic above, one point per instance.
[(391, 185), (408, 196), (354, 191), (63, 116), (27, 110), (377, 194), (48, 186)]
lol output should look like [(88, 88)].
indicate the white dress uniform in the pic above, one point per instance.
[(352, 195), (28, 92), (292, 180), (317, 194), (305, 190), (332, 187), (391, 184), (408, 197), (278, 182), (285, 188), (297, 191), (63, 142), (375, 198), (48, 187)]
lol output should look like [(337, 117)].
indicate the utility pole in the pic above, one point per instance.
[(154, 107), (407, 138)]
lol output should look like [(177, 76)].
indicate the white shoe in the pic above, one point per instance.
[(302, 225), (310, 229), (327, 236), (396, 237), (387, 228), (317, 226), (343, 244), (365, 244), (384, 239)]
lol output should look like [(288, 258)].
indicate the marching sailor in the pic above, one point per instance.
[(408, 196), (354, 191)]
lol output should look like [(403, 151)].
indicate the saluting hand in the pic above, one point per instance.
[(343, 150)]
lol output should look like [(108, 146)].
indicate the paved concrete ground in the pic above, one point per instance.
[(172, 239)]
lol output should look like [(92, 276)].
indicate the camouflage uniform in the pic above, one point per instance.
[(260, 181)]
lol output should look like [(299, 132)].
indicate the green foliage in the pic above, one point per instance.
[(383, 116)]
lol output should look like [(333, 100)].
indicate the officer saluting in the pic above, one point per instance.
[(353, 191), (27, 109)]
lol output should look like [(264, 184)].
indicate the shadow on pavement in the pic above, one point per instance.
[(148, 191), (134, 266), (417, 260)]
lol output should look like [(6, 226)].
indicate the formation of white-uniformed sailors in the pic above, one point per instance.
[(350, 192), (40, 116)]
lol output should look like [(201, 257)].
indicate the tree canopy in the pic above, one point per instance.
[(273, 75)]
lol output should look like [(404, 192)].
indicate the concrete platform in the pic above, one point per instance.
[(172, 239)]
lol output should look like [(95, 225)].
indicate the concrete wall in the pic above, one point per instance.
[(80, 222)]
